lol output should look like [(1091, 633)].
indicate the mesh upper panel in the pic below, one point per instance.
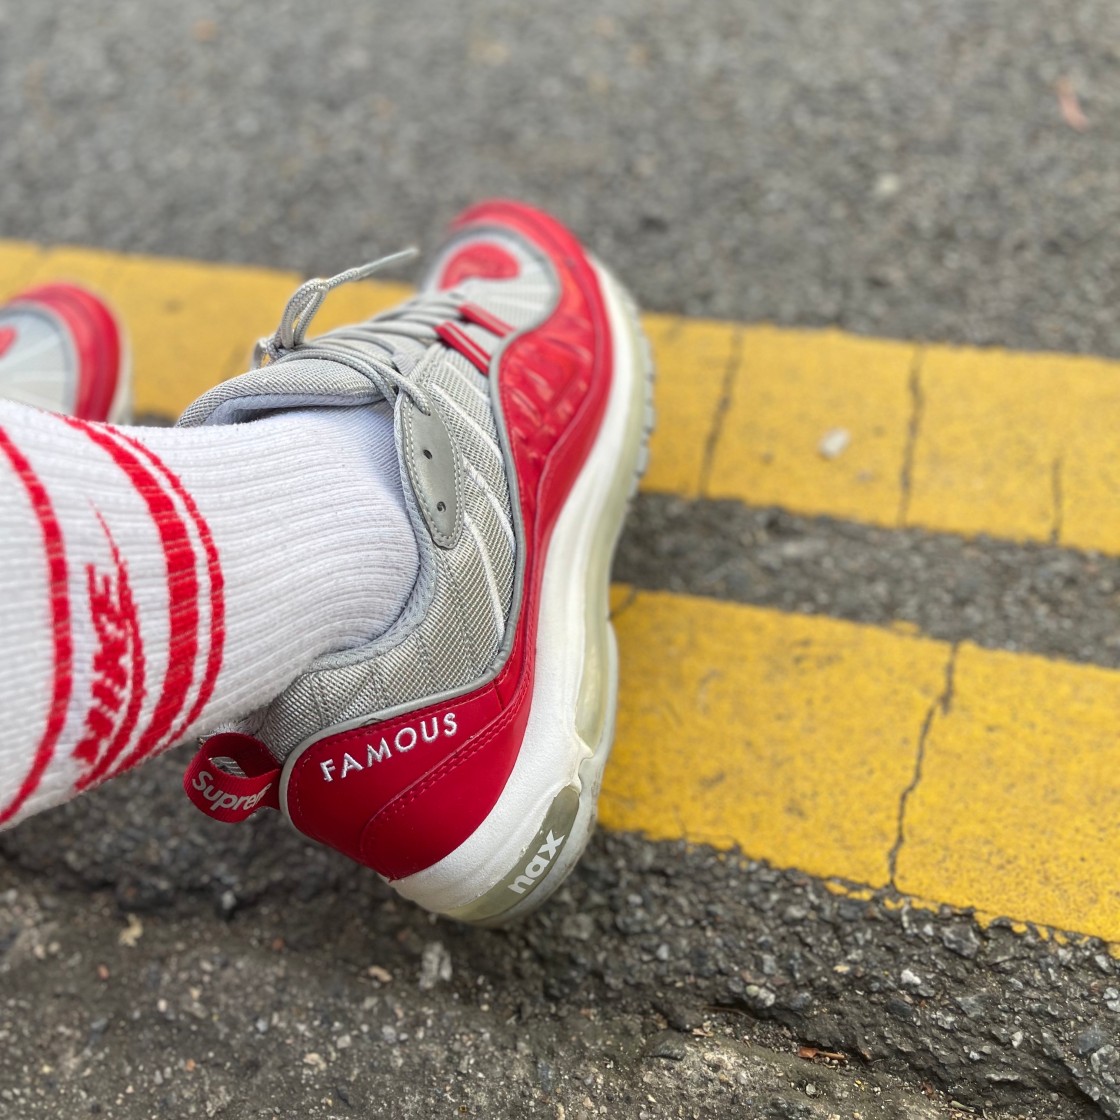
[(290, 385), (457, 637)]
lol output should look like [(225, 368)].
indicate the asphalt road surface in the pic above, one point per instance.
[(947, 172)]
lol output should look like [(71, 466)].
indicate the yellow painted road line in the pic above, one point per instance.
[(1027, 442), (17, 263), (805, 741), (696, 360), (791, 390), (1018, 807), (792, 737), (1020, 446)]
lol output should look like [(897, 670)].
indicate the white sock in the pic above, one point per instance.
[(157, 582)]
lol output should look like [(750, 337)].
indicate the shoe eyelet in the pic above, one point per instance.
[(427, 453), (441, 506)]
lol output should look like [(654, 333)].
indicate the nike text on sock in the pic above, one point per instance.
[(159, 582)]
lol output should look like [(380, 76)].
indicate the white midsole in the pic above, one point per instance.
[(552, 751)]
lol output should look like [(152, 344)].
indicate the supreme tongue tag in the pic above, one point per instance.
[(233, 776)]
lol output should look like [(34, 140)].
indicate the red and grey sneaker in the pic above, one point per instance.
[(62, 349), (460, 755)]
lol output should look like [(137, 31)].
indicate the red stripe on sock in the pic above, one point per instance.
[(55, 555), (217, 588), (182, 593)]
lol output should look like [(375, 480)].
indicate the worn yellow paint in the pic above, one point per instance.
[(1019, 445), (693, 358), (890, 899), (17, 262), (745, 726), (190, 324), (796, 739), (1017, 809), (968, 463), (791, 389)]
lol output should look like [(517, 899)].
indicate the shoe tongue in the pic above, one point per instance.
[(298, 383), (302, 382)]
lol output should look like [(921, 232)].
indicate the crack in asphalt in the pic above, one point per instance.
[(730, 380), (625, 605), (917, 408), (944, 704)]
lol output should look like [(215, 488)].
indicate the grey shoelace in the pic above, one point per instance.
[(367, 348)]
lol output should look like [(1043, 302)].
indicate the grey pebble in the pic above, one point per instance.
[(1093, 1038)]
